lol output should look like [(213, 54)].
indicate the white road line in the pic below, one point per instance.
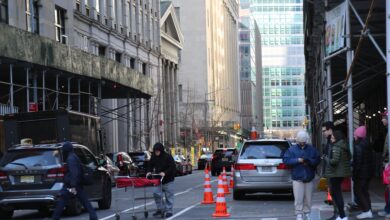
[(150, 203), (183, 211)]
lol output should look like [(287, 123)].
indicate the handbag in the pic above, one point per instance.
[(386, 175)]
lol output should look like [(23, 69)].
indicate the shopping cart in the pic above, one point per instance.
[(137, 182)]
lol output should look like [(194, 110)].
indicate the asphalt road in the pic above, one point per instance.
[(189, 194)]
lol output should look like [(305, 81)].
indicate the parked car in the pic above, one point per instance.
[(181, 166), (112, 169), (141, 159), (260, 168), (223, 157), (31, 177), (187, 163), (205, 159), (127, 167)]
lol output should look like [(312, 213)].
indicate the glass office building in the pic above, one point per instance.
[(281, 27)]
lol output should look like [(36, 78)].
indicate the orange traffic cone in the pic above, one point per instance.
[(220, 208), (225, 182), (231, 177), (208, 193), (329, 199)]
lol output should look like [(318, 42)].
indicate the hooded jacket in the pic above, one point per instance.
[(338, 163), (162, 163), (73, 174), (304, 172), (363, 166)]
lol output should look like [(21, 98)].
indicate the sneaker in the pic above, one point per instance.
[(339, 218), (365, 215), (382, 213), (168, 215), (307, 216), (299, 217), (158, 212)]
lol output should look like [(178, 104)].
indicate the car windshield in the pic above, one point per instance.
[(206, 156), (137, 157), (264, 150), (225, 153), (26, 159)]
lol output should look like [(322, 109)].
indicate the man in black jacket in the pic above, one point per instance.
[(163, 164), (72, 184)]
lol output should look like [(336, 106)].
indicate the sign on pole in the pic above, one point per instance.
[(335, 28)]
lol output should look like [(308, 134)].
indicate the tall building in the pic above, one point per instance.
[(281, 27), (250, 71), (92, 56), (209, 89)]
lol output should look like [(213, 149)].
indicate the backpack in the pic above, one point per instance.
[(386, 175)]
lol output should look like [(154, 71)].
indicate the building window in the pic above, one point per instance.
[(78, 8), (102, 51), (34, 14), (4, 11), (180, 93), (87, 9), (118, 57), (132, 63), (97, 7), (144, 68), (59, 14)]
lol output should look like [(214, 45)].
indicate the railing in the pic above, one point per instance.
[(7, 109)]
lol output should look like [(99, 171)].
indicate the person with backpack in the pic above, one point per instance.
[(362, 171), (73, 186), (337, 168), (303, 158)]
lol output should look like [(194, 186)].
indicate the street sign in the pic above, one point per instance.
[(33, 107)]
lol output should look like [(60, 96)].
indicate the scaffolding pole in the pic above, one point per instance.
[(57, 93), (43, 90), (388, 62), (329, 84), (349, 84), (27, 90), (11, 87)]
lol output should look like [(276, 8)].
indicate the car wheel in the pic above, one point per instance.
[(238, 195), (74, 207), (6, 213), (105, 202), (45, 211)]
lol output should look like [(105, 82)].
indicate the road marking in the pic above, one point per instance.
[(150, 203), (183, 211), (269, 218)]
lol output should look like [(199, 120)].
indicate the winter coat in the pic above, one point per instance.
[(338, 163), (363, 166), (74, 172), (302, 171), (163, 163)]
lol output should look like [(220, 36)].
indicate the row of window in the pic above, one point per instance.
[(282, 82), (281, 29), (283, 71), (283, 92), (283, 103), (282, 40), (275, 8), (281, 124), (285, 112), (272, 1), (4, 11)]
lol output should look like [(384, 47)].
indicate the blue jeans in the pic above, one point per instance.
[(66, 196), (159, 192)]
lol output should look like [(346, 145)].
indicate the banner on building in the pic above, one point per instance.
[(335, 28)]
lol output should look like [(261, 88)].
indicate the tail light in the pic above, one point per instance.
[(245, 166), (56, 173), (120, 159), (3, 176), (282, 166)]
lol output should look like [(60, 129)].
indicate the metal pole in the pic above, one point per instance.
[(388, 61), (329, 83), (349, 85), (89, 97), (32, 14), (68, 94), (128, 122), (11, 88), (57, 93), (35, 84), (79, 88), (43, 90), (27, 90), (99, 99)]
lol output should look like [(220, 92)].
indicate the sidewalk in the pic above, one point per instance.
[(377, 199)]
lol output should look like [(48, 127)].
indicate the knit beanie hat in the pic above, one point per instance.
[(360, 132)]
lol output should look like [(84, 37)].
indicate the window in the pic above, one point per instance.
[(87, 9), (118, 57), (90, 159), (32, 15), (97, 7), (78, 8), (132, 63), (102, 51), (264, 150), (180, 93), (144, 68), (59, 24), (4, 11)]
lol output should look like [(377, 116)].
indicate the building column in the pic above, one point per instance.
[(165, 101), (92, 8), (109, 13), (172, 102), (82, 6), (177, 119), (125, 20)]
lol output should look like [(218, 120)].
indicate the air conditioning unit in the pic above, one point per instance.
[(64, 39)]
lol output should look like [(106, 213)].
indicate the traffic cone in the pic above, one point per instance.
[(329, 199), (208, 193), (231, 177), (225, 182), (220, 208)]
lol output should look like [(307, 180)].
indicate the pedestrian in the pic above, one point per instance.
[(362, 171), (163, 164), (385, 157), (303, 159), (72, 184), (327, 132), (337, 168)]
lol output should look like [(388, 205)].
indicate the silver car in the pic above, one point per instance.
[(260, 168)]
